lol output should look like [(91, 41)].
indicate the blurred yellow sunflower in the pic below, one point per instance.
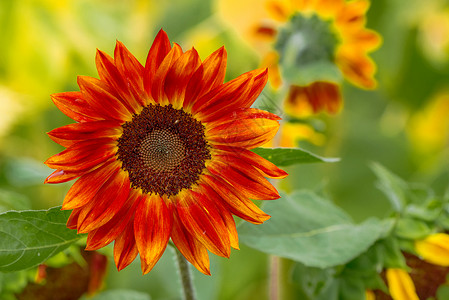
[(309, 45), (428, 128)]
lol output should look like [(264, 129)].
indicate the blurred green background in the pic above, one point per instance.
[(404, 124)]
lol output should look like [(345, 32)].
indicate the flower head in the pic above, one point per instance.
[(311, 45), (162, 151)]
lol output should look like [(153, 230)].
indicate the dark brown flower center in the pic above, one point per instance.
[(163, 149)]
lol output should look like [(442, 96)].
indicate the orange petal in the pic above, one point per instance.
[(108, 72), (102, 236), (74, 106), (365, 40), (202, 219), (73, 218), (71, 134), (109, 199), (267, 168), (60, 176), (260, 80), (222, 99), (178, 77), (125, 249), (244, 177), (225, 214), (152, 227), (238, 204), (85, 188), (279, 10), (314, 98), (83, 156), (101, 99), (132, 71), (358, 68), (194, 251), (243, 128), (158, 51), (158, 80), (208, 77), (353, 13)]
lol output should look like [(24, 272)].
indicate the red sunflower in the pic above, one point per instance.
[(162, 151)]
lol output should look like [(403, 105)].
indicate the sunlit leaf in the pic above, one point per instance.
[(284, 157), (28, 238), (311, 230)]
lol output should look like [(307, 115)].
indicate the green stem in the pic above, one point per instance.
[(186, 276), (275, 289)]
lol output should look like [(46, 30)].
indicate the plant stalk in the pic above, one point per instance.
[(188, 291)]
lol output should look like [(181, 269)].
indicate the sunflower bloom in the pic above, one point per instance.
[(434, 249), (311, 45), (400, 285), (162, 152)]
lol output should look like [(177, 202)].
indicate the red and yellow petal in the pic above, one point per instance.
[(243, 128), (158, 81), (132, 72), (358, 68), (202, 219), (158, 51), (152, 227), (237, 204), (209, 75), (192, 249), (125, 248), (267, 168), (85, 188), (224, 212), (178, 77), (214, 70), (240, 92), (223, 96), (102, 236), (244, 177), (107, 201), (101, 98), (75, 106), (60, 176), (83, 156), (314, 98), (109, 73), (69, 135)]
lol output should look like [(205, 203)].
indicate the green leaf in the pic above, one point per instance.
[(412, 229), (392, 186), (311, 230), (28, 238), (391, 253), (283, 157), (313, 282), (120, 294)]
